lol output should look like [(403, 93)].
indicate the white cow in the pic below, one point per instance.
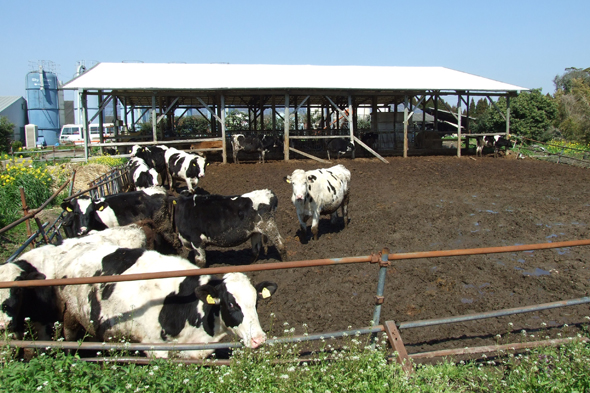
[(320, 191), (185, 166), (197, 309)]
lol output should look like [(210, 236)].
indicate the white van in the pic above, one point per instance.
[(75, 133)]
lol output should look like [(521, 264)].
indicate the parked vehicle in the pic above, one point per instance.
[(74, 133)]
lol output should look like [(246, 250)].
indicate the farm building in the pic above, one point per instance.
[(304, 105), (14, 108)]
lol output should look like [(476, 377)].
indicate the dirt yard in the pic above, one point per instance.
[(428, 204)]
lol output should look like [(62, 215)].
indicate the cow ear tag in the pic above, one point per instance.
[(68, 209), (265, 293), (210, 300), (101, 208), (288, 181), (174, 203)]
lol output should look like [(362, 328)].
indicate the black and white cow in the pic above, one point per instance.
[(185, 166), (339, 147), (36, 304), (143, 176), (154, 157), (196, 309), (227, 221), (39, 303), (320, 191), (85, 214), (495, 141), (253, 144)]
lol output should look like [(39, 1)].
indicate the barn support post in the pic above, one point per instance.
[(100, 122), (406, 121), (85, 123), (223, 142), (459, 125), (351, 124), (154, 128), (286, 142)]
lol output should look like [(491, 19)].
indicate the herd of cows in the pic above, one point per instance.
[(150, 230)]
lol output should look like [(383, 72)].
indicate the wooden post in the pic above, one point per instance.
[(25, 213), (154, 124), (351, 121), (459, 125), (286, 145), (85, 125), (223, 141), (406, 121), (507, 116)]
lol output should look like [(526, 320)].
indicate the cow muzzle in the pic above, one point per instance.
[(257, 341)]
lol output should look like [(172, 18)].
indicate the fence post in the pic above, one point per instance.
[(379, 299), (25, 213)]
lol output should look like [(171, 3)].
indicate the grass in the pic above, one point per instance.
[(353, 366)]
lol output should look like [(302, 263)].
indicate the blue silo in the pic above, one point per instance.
[(43, 104)]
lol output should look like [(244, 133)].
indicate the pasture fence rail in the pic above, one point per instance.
[(392, 329), (541, 152), (115, 181), (46, 231)]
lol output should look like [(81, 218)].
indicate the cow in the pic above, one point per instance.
[(339, 147), (495, 141), (253, 144), (320, 191), (227, 221), (185, 166), (85, 214), (370, 139), (143, 176), (194, 309), (19, 304), (154, 157), (39, 304)]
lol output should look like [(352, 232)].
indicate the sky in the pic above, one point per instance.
[(521, 42)]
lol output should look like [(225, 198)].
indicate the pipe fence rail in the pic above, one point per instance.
[(392, 329)]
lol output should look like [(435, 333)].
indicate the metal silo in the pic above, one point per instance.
[(43, 104)]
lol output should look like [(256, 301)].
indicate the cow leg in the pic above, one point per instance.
[(270, 231), (344, 207), (199, 257), (314, 224), (328, 151), (235, 153), (256, 241)]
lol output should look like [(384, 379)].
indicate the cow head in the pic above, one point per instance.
[(237, 298), (81, 215), (196, 167), (299, 181), (12, 312)]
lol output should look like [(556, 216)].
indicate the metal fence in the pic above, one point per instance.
[(383, 259)]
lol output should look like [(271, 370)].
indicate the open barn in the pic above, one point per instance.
[(427, 204), (305, 106)]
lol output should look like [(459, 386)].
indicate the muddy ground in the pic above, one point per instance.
[(428, 204)]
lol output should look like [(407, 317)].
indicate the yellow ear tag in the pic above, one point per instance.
[(288, 181), (265, 293), (101, 208), (174, 203), (68, 209), (210, 299)]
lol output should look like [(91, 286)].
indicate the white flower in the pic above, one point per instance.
[(185, 381), (284, 376)]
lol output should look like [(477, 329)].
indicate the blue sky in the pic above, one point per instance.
[(522, 42)]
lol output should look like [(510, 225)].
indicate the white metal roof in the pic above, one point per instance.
[(174, 76)]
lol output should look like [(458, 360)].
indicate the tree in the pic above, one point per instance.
[(532, 115), (6, 134), (565, 81), (574, 111)]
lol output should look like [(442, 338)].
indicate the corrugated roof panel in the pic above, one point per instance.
[(6, 101), (163, 76)]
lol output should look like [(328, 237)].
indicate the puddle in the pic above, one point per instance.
[(466, 301), (536, 273), (563, 251), (491, 212), (520, 260), (550, 236)]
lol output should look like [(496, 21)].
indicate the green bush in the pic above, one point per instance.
[(36, 182)]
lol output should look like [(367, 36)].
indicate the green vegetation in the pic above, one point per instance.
[(6, 131), (353, 366)]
